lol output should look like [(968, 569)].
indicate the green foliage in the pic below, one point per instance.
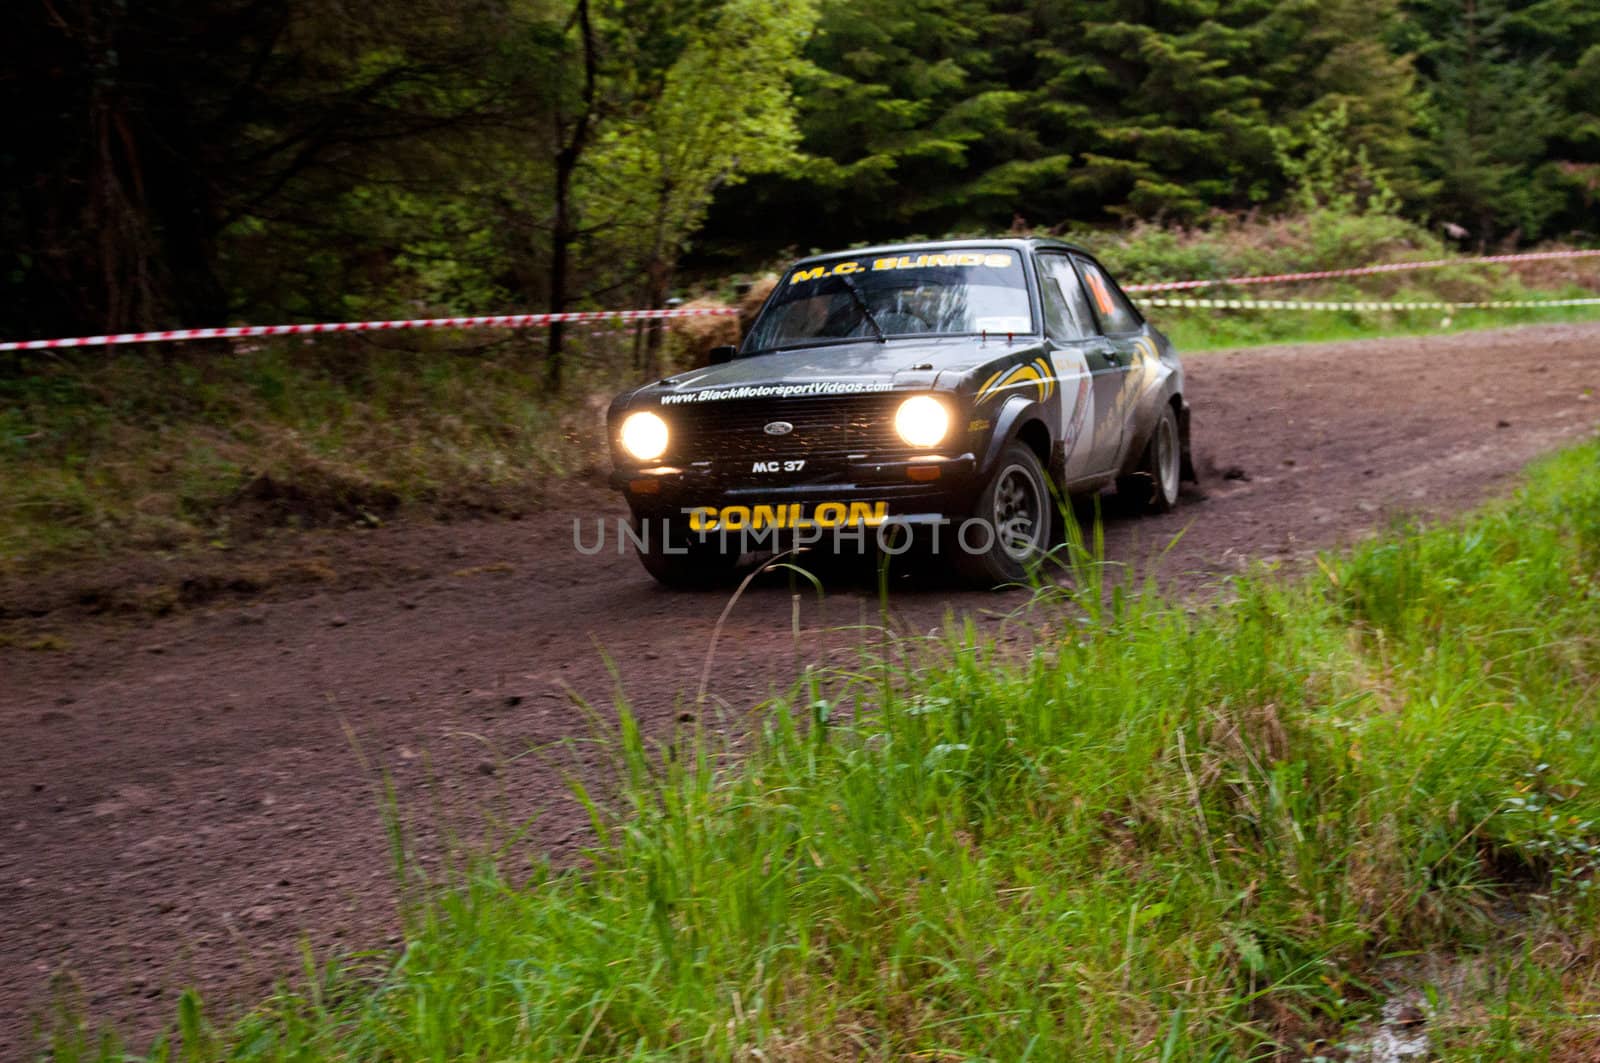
[(1322, 239), (960, 115), (891, 112), (121, 453), (1506, 111), (294, 160), (1492, 119), (1170, 832), (1326, 173), (1358, 72), (720, 111), (291, 160), (1226, 246)]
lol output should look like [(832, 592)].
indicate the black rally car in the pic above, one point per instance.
[(944, 389)]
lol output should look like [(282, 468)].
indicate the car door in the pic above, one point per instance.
[(1085, 367), (1121, 330)]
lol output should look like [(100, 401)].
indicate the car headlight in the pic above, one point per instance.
[(922, 421), (644, 435)]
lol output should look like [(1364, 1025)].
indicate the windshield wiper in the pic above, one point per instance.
[(866, 311)]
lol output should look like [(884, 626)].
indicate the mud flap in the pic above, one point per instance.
[(1186, 470)]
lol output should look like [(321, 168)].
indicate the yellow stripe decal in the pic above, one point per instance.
[(983, 391), (1037, 372), (1047, 377)]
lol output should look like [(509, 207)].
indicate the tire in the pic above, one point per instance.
[(1016, 508), (678, 558), (1153, 486)]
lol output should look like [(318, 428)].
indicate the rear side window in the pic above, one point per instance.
[(1111, 307), (1066, 308)]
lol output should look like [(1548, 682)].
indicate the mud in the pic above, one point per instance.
[(188, 761)]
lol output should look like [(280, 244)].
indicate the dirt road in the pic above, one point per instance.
[(183, 796)]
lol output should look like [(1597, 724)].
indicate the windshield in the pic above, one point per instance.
[(918, 294)]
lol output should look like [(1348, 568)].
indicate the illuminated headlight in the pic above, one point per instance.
[(922, 421), (644, 435)]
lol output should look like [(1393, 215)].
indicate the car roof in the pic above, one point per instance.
[(1022, 244)]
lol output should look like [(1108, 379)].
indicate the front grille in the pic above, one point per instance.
[(826, 426)]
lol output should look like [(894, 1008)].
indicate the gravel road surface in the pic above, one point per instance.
[(185, 796)]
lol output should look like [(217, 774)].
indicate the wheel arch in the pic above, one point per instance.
[(1134, 451), (1023, 421)]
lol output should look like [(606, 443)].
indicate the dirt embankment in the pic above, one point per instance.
[(185, 794)]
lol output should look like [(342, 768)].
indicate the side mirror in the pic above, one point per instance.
[(722, 354)]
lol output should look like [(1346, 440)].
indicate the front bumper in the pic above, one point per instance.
[(928, 487)]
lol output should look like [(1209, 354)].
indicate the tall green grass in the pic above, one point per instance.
[(1204, 329), (123, 449), (1170, 832)]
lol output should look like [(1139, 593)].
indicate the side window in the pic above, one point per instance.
[(1111, 307), (1066, 309)]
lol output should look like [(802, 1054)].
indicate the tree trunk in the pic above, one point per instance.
[(560, 251), (659, 283), (562, 229)]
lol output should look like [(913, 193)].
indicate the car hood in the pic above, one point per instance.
[(868, 365)]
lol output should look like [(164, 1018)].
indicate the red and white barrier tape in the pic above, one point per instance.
[(528, 320), (496, 321), (1303, 304), (1356, 271)]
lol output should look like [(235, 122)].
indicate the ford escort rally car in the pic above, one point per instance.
[(961, 386)]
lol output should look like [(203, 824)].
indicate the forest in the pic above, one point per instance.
[(202, 162), (311, 681)]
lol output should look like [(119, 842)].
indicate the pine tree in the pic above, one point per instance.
[(1496, 72)]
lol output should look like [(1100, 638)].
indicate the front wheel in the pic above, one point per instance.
[(1009, 531), (1153, 486), (681, 559)]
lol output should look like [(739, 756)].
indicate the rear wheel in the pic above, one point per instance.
[(680, 558), (1153, 487), (1009, 531)]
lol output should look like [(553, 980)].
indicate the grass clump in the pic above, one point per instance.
[(1196, 833), (121, 449)]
